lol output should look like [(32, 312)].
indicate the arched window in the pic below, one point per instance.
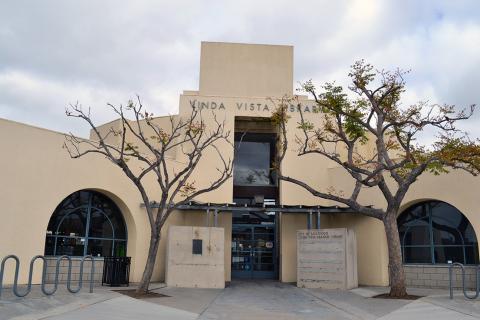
[(436, 232), (86, 223)]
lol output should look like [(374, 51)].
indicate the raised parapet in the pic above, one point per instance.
[(195, 257), (246, 70), (327, 258)]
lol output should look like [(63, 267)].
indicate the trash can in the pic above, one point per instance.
[(116, 271)]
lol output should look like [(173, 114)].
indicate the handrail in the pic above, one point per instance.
[(477, 276), (44, 272)]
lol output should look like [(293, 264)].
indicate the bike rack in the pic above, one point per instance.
[(450, 276), (44, 272)]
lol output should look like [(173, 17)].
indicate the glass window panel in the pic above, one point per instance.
[(264, 236), (445, 235), (453, 226), (100, 227), (237, 266), (264, 230), (49, 245), (449, 214), (413, 213), (240, 245), (99, 248), (74, 224), (417, 255), (243, 230), (263, 267), (471, 254), (109, 208), (241, 261), (55, 221), (264, 242), (260, 258), (445, 254), (70, 246), (120, 248), (469, 235), (417, 235), (75, 200), (252, 163)]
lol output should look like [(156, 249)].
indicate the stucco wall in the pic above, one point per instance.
[(289, 224), (37, 175), (253, 70)]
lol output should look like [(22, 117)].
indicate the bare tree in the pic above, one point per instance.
[(373, 115), (143, 150)]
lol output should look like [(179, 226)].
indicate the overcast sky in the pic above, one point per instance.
[(53, 53)]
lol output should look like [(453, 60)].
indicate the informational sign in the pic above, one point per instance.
[(326, 258)]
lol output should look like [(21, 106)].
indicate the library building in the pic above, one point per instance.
[(253, 226)]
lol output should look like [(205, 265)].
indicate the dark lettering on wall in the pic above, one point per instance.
[(245, 106)]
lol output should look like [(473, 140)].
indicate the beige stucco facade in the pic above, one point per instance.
[(236, 80)]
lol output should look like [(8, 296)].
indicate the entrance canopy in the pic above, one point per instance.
[(217, 208), (225, 207)]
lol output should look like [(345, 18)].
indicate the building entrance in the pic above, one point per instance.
[(254, 251), (255, 185)]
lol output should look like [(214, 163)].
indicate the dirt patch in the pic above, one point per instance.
[(407, 297), (132, 293)]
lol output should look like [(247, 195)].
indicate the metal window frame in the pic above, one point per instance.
[(428, 214), (91, 208)]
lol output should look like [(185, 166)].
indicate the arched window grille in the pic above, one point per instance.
[(86, 223), (435, 232)]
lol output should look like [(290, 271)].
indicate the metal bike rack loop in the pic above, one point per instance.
[(44, 272), (450, 276)]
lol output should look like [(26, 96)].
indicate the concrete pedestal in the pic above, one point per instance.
[(327, 258), (195, 257)]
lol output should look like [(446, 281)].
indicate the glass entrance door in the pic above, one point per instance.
[(254, 251)]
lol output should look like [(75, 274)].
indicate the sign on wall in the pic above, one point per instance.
[(326, 258), (218, 105)]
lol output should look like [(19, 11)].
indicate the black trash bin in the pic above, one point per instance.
[(116, 271)]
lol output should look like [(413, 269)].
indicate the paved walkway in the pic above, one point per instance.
[(241, 300), (274, 300), (269, 300)]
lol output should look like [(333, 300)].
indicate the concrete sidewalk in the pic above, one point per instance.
[(426, 311), (241, 300), (435, 304), (126, 308)]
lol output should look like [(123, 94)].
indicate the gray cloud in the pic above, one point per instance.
[(56, 52)]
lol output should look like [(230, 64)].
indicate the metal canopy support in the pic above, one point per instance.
[(309, 225), (207, 221), (318, 219), (215, 218)]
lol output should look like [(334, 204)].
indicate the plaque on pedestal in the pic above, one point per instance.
[(327, 258)]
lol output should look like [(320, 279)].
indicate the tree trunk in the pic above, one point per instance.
[(395, 265), (148, 271)]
